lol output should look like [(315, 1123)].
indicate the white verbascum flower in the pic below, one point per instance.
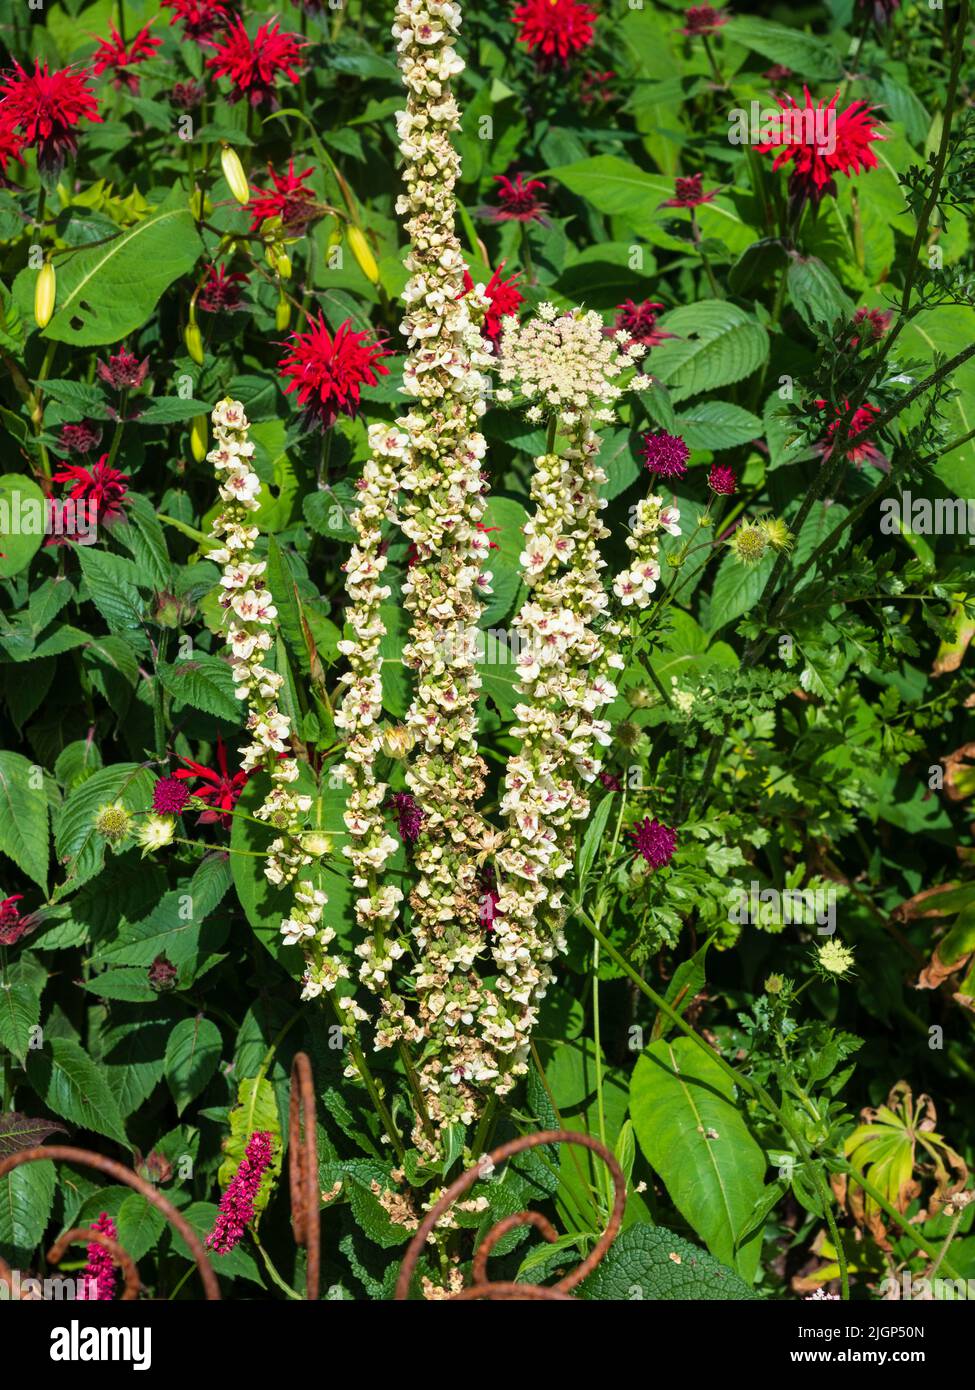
[(635, 584)]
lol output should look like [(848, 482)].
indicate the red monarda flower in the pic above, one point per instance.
[(12, 925), (594, 87), (290, 200), (874, 323), (655, 841), (220, 790), (80, 438), (867, 452), (10, 148), (702, 19), (44, 107), (518, 200), (104, 486), (253, 65), (186, 96), (821, 142), (221, 291), (124, 371), (199, 18), (555, 30), (112, 55), (237, 1203), (638, 322), (689, 193), (504, 298), (329, 372), (98, 1279)]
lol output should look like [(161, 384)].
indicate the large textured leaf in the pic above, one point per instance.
[(107, 291), (192, 1054), (23, 817), (205, 683), (175, 923), (509, 517), (113, 587), (21, 1132), (714, 344), (650, 1262), (718, 425), (21, 511), (737, 588), (791, 47), (70, 1084), (20, 1010), (256, 1112), (692, 1133), (26, 1199)]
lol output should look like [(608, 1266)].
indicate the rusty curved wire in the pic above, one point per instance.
[(303, 1169), (65, 1153), (88, 1235), (484, 1288)]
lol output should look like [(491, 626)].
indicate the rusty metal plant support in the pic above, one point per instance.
[(65, 1153), (87, 1235), (483, 1287), (303, 1169)]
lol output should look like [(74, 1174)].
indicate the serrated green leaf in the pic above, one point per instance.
[(24, 835), (192, 1054), (70, 1084), (651, 1263)]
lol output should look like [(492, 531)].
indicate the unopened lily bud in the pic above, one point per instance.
[(362, 251), (194, 342), (45, 292), (233, 172), (282, 264), (282, 314), (198, 438)]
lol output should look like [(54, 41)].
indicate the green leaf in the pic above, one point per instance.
[(20, 1010), (651, 1263), (509, 517), (106, 292), (205, 683), (715, 344), (692, 1134), (718, 425), (592, 840), (22, 521), (24, 835), (804, 53), (237, 1265), (686, 983), (192, 1054), (70, 1084), (816, 292), (737, 588), (171, 410), (256, 1112), (26, 1200), (21, 1132), (112, 586), (139, 1225), (175, 924), (76, 841)]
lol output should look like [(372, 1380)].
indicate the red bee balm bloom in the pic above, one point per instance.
[(689, 193), (104, 486), (867, 452), (329, 372), (254, 64), (112, 55), (504, 298), (875, 323), (555, 29), (44, 107), (291, 201), (821, 142), (220, 790), (638, 322), (702, 19), (655, 841), (221, 293), (199, 18), (12, 925), (518, 200), (10, 148), (124, 371)]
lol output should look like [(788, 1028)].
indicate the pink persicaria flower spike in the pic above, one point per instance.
[(702, 19), (221, 291), (290, 200), (868, 451), (639, 322), (665, 455), (689, 193), (44, 107), (124, 371), (98, 1282), (518, 201), (237, 1203), (722, 480), (112, 55), (100, 485), (169, 796), (821, 142), (504, 301), (253, 65), (200, 19), (328, 371), (555, 30), (654, 841)]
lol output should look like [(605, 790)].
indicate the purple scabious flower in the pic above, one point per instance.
[(722, 480), (169, 796), (98, 1279), (665, 455), (655, 841), (408, 815), (237, 1203)]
